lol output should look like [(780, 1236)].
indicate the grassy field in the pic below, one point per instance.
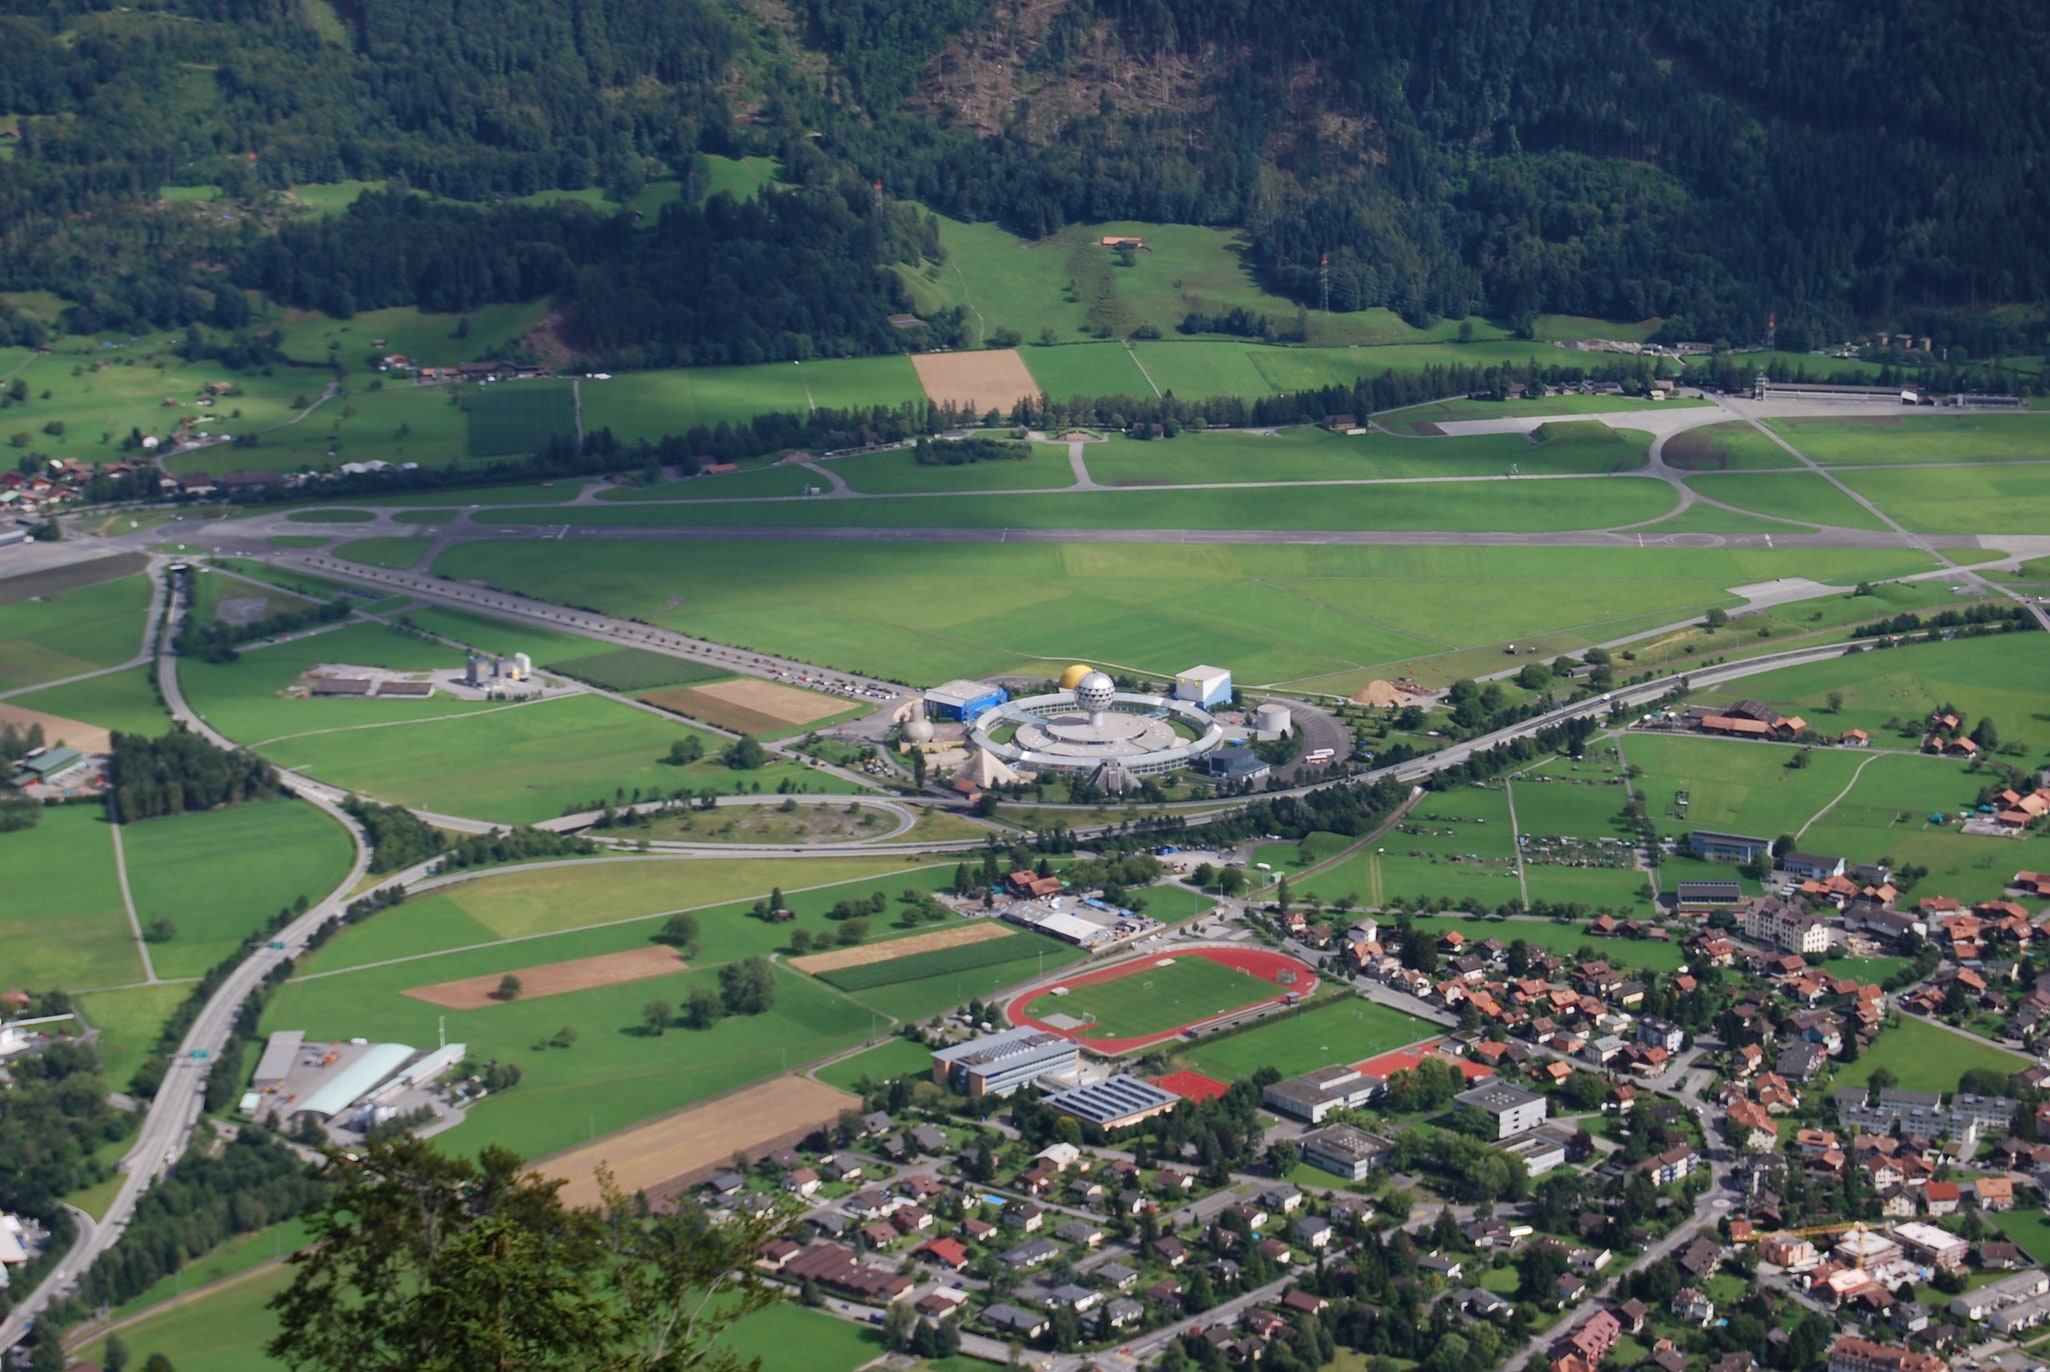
[(129, 1021), (426, 338), (1790, 495), (1725, 447), (398, 423), (1514, 506), (1927, 1057), (1311, 454), (1564, 940), (1346, 1030), (1733, 786), (897, 1058), (752, 483), (898, 472), (398, 554), (544, 758), (651, 404), (615, 1073), (224, 1331), (634, 669), (1085, 369), (499, 636), (1998, 677), (1886, 817), (1953, 500), (118, 700), (1457, 843), (1960, 437), (514, 418), (63, 923), (2030, 1231), (739, 177), (277, 851), (69, 632), (1328, 617)]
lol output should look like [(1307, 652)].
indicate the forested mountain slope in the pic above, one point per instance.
[(1835, 163)]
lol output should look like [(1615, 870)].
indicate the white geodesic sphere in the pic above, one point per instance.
[(918, 731), (1095, 692)]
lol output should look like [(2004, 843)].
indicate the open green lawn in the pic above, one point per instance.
[(399, 554), (896, 472), (1927, 1057), (1328, 617), (397, 423), (2030, 1230), (63, 923), (1593, 502), (223, 1331), (429, 339), (616, 1073), (859, 383), (1960, 500), (499, 636), (513, 419), (739, 177), (1959, 437), (751, 483), (1792, 495), (129, 1021), (1311, 454), (1456, 843), (650, 404), (69, 632), (1735, 786), (1886, 816), (544, 758), (1620, 890), (219, 874), (100, 395), (897, 1058), (1346, 1030), (122, 700), (1085, 369), (1725, 447)]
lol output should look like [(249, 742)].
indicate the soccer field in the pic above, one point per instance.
[(1152, 997)]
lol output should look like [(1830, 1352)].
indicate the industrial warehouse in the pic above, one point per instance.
[(348, 1088)]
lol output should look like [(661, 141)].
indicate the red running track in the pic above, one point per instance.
[(1258, 962)]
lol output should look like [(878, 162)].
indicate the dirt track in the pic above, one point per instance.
[(705, 1136), (981, 931), (979, 381), (555, 978)]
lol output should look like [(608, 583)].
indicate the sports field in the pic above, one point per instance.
[(63, 923), (1327, 617), (514, 418), (1154, 997), (178, 870), (66, 632), (1343, 1031), (1927, 1057)]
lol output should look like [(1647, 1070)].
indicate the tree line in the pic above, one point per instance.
[(181, 772)]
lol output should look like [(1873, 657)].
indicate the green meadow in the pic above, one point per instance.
[(1508, 505), (398, 422), (67, 633), (1323, 616), (1455, 844), (398, 554), (429, 339), (1310, 454), (1905, 438), (1085, 369), (752, 483), (1735, 786), (1564, 940), (1927, 1057), (1725, 447), (1801, 495), (123, 701), (899, 472), (129, 1021), (514, 418), (278, 852), (2014, 498), (650, 404), (1886, 817), (63, 923)]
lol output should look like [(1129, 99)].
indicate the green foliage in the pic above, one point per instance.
[(748, 987), (634, 669), (180, 772)]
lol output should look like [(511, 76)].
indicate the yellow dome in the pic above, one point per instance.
[(1072, 678)]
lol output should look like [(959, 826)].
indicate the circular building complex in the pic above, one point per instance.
[(1091, 727)]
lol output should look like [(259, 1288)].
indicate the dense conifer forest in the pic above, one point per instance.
[(1711, 163)]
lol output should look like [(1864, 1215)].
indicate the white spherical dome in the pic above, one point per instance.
[(918, 731), (1095, 691)]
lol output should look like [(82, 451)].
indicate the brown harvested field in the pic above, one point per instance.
[(87, 738), (981, 931), (748, 705), (57, 580), (675, 1147), (992, 380), (555, 978)]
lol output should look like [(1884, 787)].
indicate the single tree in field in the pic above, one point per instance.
[(656, 1014), (565, 1037), (704, 1008), (509, 988), (679, 930), (800, 941)]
